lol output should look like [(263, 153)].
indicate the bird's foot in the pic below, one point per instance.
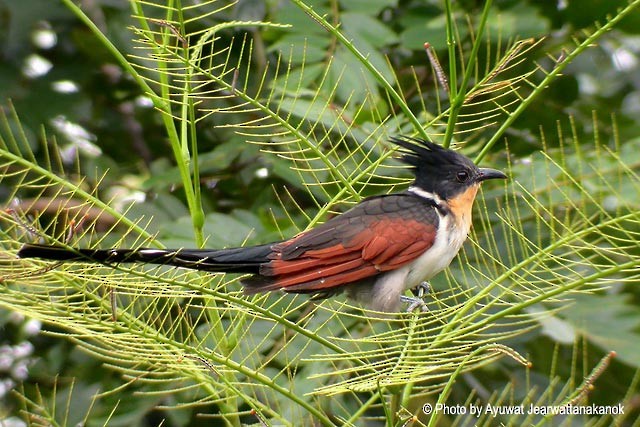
[(416, 301), (413, 303)]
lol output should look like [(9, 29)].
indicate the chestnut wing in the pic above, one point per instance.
[(379, 234)]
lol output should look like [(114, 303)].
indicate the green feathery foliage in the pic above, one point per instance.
[(565, 224)]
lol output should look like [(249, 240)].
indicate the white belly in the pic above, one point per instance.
[(439, 256), (384, 293)]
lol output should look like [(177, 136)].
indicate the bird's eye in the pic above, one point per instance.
[(462, 176)]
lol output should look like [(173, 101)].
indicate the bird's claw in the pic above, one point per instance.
[(424, 288), (414, 302)]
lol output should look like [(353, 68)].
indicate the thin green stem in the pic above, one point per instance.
[(408, 388), (189, 152), (452, 379), (362, 409), (388, 87), (451, 48), (179, 142), (554, 74), (161, 102), (473, 57), (457, 94)]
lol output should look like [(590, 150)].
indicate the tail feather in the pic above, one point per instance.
[(238, 260)]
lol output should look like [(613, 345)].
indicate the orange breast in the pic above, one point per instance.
[(461, 207)]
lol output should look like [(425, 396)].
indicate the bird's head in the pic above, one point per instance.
[(440, 171)]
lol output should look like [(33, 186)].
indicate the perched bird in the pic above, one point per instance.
[(375, 251)]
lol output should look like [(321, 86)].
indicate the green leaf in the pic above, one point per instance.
[(610, 321), (419, 31), (367, 33), (520, 21), (227, 231), (368, 7)]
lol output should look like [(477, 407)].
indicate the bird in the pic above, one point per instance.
[(376, 251)]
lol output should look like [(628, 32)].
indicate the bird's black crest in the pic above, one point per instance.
[(424, 154)]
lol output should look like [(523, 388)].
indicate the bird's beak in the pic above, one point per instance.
[(487, 173)]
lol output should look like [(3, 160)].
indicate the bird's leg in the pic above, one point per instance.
[(417, 301), (422, 290)]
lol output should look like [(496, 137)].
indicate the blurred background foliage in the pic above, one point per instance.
[(57, 75)]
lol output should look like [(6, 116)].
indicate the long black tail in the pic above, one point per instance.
[(238, 260)]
